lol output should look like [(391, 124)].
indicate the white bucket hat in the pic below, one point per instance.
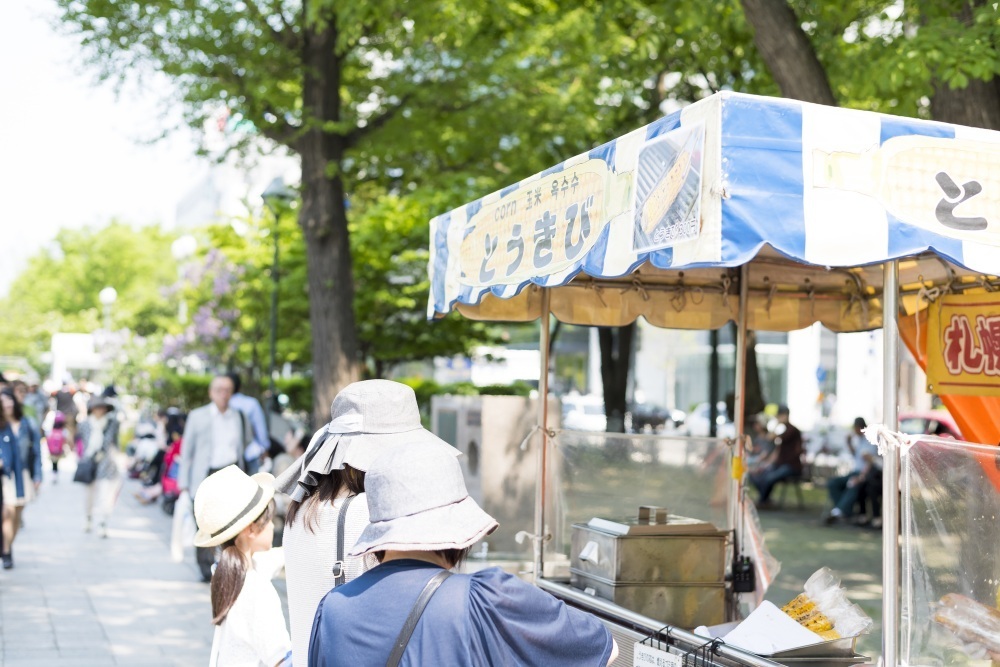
[(367, 418), (227, 502), (417, 501)]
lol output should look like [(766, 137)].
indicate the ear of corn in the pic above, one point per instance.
[(803, 610)]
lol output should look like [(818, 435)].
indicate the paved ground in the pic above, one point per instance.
[(76, 599)]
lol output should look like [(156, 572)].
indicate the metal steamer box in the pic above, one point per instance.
[(674, 575)]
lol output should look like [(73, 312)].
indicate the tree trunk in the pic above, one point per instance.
[(787, 51), (976, 105), (616, 357), (324, 224)]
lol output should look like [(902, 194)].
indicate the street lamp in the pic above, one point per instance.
[(277, 193), (107, 297), (183, 249)]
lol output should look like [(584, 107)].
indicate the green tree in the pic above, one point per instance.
[(58, 289), (389, 241)]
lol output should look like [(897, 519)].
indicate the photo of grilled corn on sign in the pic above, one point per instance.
[(668, 189), (544, 226), (963, 345), (947, 186)]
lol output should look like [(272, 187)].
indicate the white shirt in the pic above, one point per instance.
[(861, 448), (226, 433), (253, 634), (310, 556)]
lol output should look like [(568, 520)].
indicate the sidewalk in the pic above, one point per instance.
[(76, 599)]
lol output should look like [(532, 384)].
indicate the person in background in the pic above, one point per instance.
[(57, 441), (216, 436), (99, 435), (423, 523), (66, 405), (29, 439), (847, 490), (782, 463), (36, 403), (250, 406), (234, 511), (171, 459), (15, 433), (761, 440)]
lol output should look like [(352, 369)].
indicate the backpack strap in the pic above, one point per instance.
[(338, 565), (411, 621)]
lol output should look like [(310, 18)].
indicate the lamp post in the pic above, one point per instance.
[(107, 297), (276, 193), (183, 249)]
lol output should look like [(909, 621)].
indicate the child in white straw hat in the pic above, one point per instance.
[(236, 512), (411, 610)]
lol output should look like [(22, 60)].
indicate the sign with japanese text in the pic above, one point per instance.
[(544, 226), (644, 655), (963, 345)]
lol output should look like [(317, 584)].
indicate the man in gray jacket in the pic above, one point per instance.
[(215, 436)]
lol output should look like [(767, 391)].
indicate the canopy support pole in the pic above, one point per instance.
[(542, 455), (890, 466), (739, 403)]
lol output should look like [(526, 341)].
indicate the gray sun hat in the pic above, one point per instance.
[(417, 501), (99, 402), (367, 418)]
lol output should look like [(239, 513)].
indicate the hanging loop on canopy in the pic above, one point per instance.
[(639, 287), (811, 296), (726, 283), (597, 291), (770, 295)]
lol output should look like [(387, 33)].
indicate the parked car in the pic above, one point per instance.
[(697, 422), (649, 416), (583, 413), (930, 422)]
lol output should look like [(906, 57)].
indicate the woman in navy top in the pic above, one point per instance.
[(12, 474), (423, 523)]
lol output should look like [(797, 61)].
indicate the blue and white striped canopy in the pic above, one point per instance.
[(657, 222)]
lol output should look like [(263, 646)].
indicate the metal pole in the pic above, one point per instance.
[(274, 311), (543, 421), (890, 467), (740, 399), (713, 383)]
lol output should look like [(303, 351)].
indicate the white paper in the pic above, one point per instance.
[(768, 630), (715, 631)]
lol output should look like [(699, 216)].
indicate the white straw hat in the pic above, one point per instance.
[(227, 502), (417, 501), (367, 418)]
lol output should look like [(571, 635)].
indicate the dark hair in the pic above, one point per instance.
[(328, 489), (175, 425), (453, 557), (276, 449), (859, 422), (230, 573), (237, 383), (18, 412)]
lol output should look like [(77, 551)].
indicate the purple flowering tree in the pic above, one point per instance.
[(208, 288)]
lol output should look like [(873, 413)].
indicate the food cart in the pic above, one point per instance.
[(771, 213)]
